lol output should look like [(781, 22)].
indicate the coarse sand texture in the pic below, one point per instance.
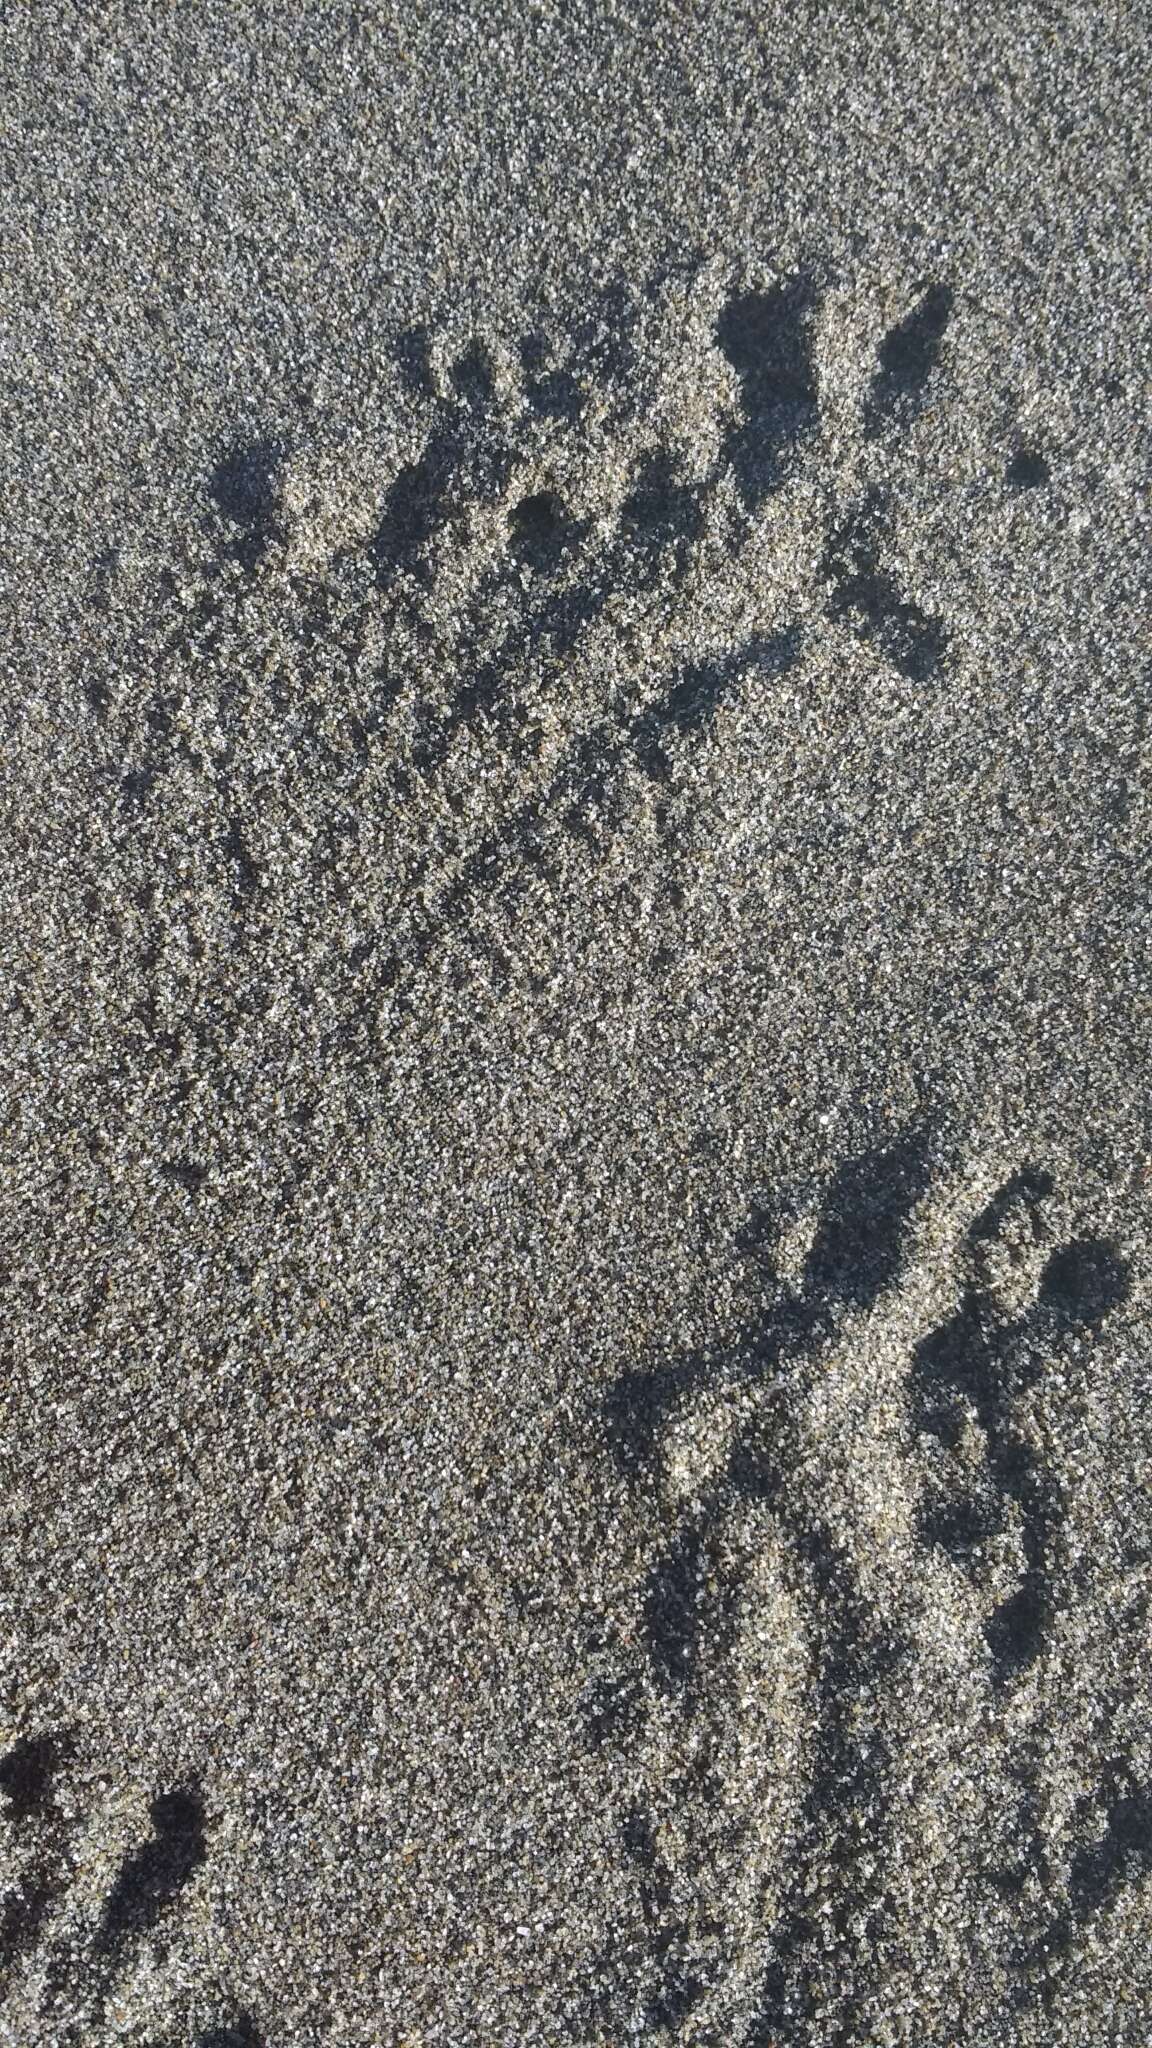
[(575, 1365)]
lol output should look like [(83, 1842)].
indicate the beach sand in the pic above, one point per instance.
[(574, 1225)]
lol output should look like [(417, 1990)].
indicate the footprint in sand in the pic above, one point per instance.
[(59, 1973), (511, 654), (805, 1479)]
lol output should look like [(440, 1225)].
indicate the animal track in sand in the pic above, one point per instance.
[(423, 713), (61, 1968), (805, 1479), (971, 1378)]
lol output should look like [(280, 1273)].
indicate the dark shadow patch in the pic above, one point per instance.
[(759, 1235), (242, 2032), (659, 520), (908, 355), (541, 533), (766, 336), (980, 1355), (857, 1253), (1015, 1630), (603, 338), (756, 1461), (184, 1173), (473, 376), (1028, 470), (416, 505), (557, 396), (681, 1988), (961, 1524), (1022, 1192), (138, 784), (152, 1877), (22, 1917), (1122, 1856), (654, 762), (552, 392), (636, 1409), (691, 704), (97, 694), (639, 1839), (27, 1774), (678, 1986), (589, 786), (535, 352), (868, 600), (680, 1604), (463, 462), (567, 616), (551, 620), (612, 1709), (243, 488), (1084, 1282), (961, 1358), (982, 1361), (794, 1326), (236, 850), (412, 351)]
